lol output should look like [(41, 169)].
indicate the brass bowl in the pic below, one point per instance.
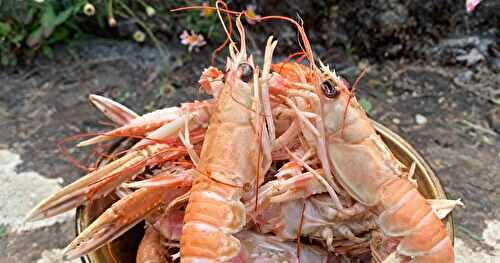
[(124, 248)]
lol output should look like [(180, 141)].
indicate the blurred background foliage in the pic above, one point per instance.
[(381, 28), (30, 27)]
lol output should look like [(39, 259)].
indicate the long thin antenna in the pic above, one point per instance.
[(307, 46), (228, 32)]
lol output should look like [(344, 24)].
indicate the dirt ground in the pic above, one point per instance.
[(448, 110)]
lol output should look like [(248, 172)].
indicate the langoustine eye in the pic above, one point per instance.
[(329, 89), (245, 72)]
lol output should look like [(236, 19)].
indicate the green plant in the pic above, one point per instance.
[(366, 105), (3, 231), (209, 26), (349, 50), (29, 26), (33, 26)]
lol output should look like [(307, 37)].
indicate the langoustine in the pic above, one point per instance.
[(227, 171), (358, 155), (402, 211)]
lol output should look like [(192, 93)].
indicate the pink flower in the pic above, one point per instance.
[(250, 14), (470, 5), (192, 40)]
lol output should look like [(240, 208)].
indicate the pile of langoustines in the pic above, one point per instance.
[(281, 165)]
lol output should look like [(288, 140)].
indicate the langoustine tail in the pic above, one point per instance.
[(407, 214), (212, 216)]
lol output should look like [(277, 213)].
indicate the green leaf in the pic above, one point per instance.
[(63, 16), (35, 37), (5, 62), (59, 34), (48, 20), (3, 231), (5, 29), (29, 16), (48, 17), (47, 51), (101, 22), (366, 105), (78, 7), (17, 38)]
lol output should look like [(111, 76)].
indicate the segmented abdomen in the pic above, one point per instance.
[(228, 164), (404, 212), (374, 179), (213, 214)]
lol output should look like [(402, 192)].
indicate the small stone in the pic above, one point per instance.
[(441, 100), (465, 76), (393, 50), (490, 235), (54, 256), (494, 119), (396, 121), (487, 140), (463, 253), (363, 64), (495, 63), (420, 119), (20, 192), (471, 58), (393, 20), (461, 42)]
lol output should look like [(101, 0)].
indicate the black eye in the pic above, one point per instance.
[(245, 72), (329, 89)]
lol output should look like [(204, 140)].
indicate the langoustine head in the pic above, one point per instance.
[(343, 117), (239, 67), (331, 96), (239, 71)]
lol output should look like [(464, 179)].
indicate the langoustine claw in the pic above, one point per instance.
[(115, 111), (100, 182), (116, 219)]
